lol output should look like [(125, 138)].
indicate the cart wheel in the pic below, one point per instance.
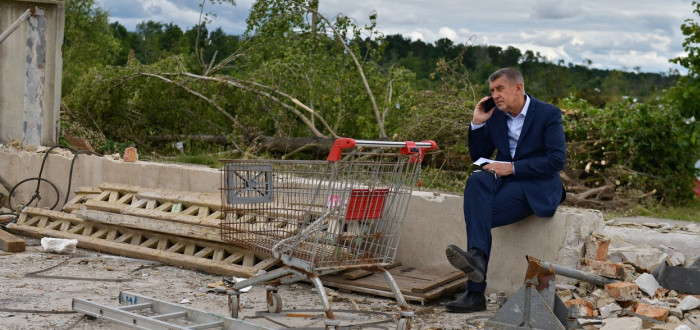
[(234, 304), (274, 305), (403, 324)]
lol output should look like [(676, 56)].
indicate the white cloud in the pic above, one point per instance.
[(448, 33), (601, 30)]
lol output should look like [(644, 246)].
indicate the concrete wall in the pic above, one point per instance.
[(433, 221), (30, 72)]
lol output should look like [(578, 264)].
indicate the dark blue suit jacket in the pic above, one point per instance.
[(539, 156)]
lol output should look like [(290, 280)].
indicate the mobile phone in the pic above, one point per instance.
[(489, 104)]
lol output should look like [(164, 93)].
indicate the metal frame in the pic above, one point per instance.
[(161, 312)]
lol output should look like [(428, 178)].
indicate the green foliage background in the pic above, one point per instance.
[(632, 131)]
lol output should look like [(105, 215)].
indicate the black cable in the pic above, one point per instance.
[(36, 193), (39, 179), (70, 175)]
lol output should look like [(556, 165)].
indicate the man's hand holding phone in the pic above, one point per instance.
[(483, 110)]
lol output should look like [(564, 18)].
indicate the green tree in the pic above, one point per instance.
[(88, 41), (686, 94)]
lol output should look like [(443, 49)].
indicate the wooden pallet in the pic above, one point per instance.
[(208, 256), (415, 285)]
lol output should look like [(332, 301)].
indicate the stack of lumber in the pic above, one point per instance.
[(174, 227), (183, 229)]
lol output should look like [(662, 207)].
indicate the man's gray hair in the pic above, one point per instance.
[(510, 74)]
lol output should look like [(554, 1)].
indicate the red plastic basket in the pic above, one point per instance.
[(366, 204)]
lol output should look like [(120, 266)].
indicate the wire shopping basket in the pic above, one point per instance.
[(323, 216)]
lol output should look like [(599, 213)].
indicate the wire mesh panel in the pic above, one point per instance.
[(321, 214)]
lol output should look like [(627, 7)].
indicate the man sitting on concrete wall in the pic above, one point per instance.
[(523, 180)]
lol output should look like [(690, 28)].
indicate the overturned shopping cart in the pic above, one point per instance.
[(320, 217)]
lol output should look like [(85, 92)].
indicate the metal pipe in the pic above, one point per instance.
[(577, 274), (388, 144), (15, 25)]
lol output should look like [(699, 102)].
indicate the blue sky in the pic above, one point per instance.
[(623, 34)]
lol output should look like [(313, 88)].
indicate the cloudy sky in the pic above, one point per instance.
[(613, 34)]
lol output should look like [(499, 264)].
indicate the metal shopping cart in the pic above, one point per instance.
[(320, 217)]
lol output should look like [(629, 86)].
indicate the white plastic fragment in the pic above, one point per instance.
[(59, 245)]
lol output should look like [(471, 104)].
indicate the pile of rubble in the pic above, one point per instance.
[(655, 287)]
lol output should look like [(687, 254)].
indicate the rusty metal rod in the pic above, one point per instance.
[(15, 25), (577, 274)]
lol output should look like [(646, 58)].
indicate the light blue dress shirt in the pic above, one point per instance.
[(515, 127)]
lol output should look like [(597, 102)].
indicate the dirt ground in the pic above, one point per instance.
[(33, 297)]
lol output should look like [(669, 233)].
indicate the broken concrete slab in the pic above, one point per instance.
[(680, 236), (629, 323), (644, 257), (648, 284), (610, 310), (688, 303)]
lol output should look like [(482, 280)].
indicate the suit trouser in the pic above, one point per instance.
[(490, 202)]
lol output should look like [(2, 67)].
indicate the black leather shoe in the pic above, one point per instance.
[(471, 262), (468, 302)]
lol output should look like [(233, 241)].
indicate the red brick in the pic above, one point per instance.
[(656, 313), (597, 247), (622, 290), (606, 268), (130, 155), (584, 306)]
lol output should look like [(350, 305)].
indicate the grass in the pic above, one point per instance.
[(689, 211)]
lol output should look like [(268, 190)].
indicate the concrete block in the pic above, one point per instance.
[(622, 291), (559, 240), (656, 313), (606, 268)]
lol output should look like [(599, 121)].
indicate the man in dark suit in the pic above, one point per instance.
[(531, 150)]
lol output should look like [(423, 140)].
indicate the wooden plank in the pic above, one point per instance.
[(359, 273), (187, 198), (194, 231), (171, 217), (103, 206), (11, 243), (405, 281), (447, 278)]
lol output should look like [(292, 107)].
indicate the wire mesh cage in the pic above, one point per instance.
[(344, 212)]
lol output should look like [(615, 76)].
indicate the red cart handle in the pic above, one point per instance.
[(407, 148)]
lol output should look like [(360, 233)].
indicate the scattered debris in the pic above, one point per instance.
[(59, 245)]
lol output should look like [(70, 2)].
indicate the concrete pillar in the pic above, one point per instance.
[(30, 71)]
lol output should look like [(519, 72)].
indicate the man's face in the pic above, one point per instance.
[(508, 95)]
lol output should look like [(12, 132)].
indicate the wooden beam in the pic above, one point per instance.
[(11, 243), (194, 231)]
